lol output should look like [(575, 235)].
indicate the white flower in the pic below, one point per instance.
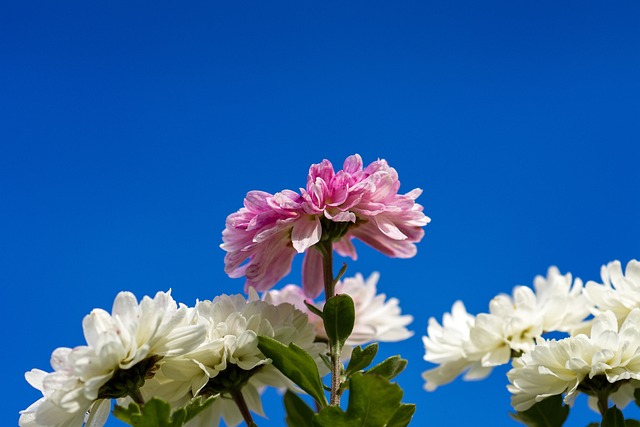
[(44, 413), (619, 292), (122, 346), (294, 295), (376, 318), (229, 361), (605, 360), (514, 322), (445, 345), (561, 301)]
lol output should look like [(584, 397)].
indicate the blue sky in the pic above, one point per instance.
[(130, 130)]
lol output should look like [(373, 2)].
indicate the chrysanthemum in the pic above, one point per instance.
[(44, 413), (561, 301), (619, 292), (123, 348), (511, 327), (601, 362), (377, 319), (362, 203), (258, 240), (228, 362), (445, 346)]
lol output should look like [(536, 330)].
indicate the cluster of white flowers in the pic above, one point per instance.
[(159, 348), (609, 357), (600, 355), (476, 344), (228, 361)]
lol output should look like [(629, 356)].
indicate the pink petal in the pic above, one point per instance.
[(388, 227), (339, 189), (341, 216), (344, 247), (352, 164), (370, 235), (312, 276), (256, 201), (323, 170), (268, 267)]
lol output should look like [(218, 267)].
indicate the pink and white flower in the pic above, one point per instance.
[(262, 238), (260, 234)]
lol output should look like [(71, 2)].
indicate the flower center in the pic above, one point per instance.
[(230, 380), (127, 382)]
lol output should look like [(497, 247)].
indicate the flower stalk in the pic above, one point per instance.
[(326, 248), (238, 398)]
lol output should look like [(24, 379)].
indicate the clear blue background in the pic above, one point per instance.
[(130, 130)]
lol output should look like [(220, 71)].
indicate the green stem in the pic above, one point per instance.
[(327, 269), (603, 402), (238, 398), (334, 348)]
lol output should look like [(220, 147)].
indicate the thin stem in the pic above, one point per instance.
[(327, 269), (238, 398), (334, 348), (603, 402)]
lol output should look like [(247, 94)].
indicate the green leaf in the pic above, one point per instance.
[(594, 424), (389, 368), (124, 414), (631, 423), (373, 402), (613, 418), (339, 318), (157, 413), (403, 415), (361, 358), (296, 364), (343, 270), (551, 412), (298, 412)]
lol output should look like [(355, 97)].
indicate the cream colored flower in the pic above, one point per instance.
[(619, 292), (123, 348), (229, 361), (605, 360), (446, 345), (475, 345)]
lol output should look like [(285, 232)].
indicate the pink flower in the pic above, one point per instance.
[(261, 233), (355, 202)]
